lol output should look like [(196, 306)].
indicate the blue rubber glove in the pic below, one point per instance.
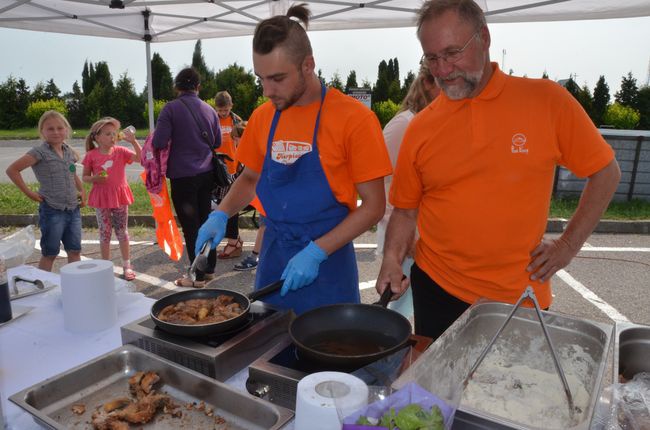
[(302, 269), (214, 228)]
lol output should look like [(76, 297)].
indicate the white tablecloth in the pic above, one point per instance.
[(36, 346)]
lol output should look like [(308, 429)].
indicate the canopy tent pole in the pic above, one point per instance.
[(149, 86), (147, 41)]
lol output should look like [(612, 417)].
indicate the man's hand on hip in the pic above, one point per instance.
[(548, 257)]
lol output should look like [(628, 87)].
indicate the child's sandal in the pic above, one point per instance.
[(129, 274)]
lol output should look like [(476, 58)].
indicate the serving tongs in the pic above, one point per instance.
[(38, 287), (528, 294), (200, 261)]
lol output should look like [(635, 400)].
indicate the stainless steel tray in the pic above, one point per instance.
[(106, 377), (444, 365), (631, 350)]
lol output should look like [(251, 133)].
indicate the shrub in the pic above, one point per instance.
[(157, 107), (39, 107), (621, 117), (385, 111)]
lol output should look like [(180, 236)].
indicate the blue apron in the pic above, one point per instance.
[(301, 207)]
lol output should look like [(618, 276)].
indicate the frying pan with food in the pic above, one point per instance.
[(209, 293)]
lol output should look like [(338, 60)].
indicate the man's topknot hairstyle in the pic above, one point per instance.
[(285, 31)]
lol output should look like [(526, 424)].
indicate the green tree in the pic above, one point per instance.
[(586, 100), (208, 85), (643, 103), (336, 82), (87, 78), (395, 92), (351, 81), (241, 85), (380, 90), (408, 80), (51, 90), (544, 75), (621, 117), (601, 100), (385, 110), (75, 104), (127, 106), (96, 102), (158, 105), (162, 81), (628, 93), (38, 93), (14, 99), (39, 107), (572, 87)]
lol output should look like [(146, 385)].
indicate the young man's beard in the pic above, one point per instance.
[(299, 90)]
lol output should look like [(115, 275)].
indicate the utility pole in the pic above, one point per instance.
[(503, 59), (647, 78)]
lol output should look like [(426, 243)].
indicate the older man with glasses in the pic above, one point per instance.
[(475, 174)]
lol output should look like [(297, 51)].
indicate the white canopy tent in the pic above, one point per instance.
[(173, 20)]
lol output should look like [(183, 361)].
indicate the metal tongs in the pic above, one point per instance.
[(528, 294), (200, 261)]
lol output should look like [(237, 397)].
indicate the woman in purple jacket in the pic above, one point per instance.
[(189, 166)]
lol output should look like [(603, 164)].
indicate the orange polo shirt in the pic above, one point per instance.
[(481, 171), (227, 143), (350, 142)]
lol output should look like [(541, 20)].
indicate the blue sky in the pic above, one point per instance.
[(584, 48)]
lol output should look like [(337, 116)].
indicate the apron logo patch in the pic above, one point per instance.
[(287, 152)]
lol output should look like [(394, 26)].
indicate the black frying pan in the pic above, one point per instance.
[(350, 335), (209, 293)]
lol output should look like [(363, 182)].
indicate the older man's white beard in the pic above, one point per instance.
[(462, 90)]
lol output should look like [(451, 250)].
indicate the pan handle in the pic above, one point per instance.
[(271, 288), (386, 296)]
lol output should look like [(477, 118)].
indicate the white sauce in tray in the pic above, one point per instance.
[(525, 393)]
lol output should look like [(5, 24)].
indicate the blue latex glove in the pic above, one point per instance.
[(214, 228), (302, 269)]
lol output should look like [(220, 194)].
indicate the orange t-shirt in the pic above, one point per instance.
[(350, 142), (227, 144), (481, 171)]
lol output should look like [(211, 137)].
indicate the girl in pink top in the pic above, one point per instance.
[(104, 168)]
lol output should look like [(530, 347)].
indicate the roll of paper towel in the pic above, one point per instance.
[(320, 394), (88, 296)]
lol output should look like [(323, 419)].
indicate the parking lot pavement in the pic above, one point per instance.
[(608, 280)]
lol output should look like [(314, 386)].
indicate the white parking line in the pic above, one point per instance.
[(613, 249), (591, 297)]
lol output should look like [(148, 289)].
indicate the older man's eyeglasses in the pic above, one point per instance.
[(451, 56)]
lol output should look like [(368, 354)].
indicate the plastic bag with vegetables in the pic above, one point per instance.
[(410, 408)]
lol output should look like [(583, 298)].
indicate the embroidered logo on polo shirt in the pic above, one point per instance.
[(287, 152), (519, 144)]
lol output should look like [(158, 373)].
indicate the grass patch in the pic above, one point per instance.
[(635, 209), (32, 134), (14, 202)]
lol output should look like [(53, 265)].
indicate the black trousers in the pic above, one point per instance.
[(434, 309), (192, 199)]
